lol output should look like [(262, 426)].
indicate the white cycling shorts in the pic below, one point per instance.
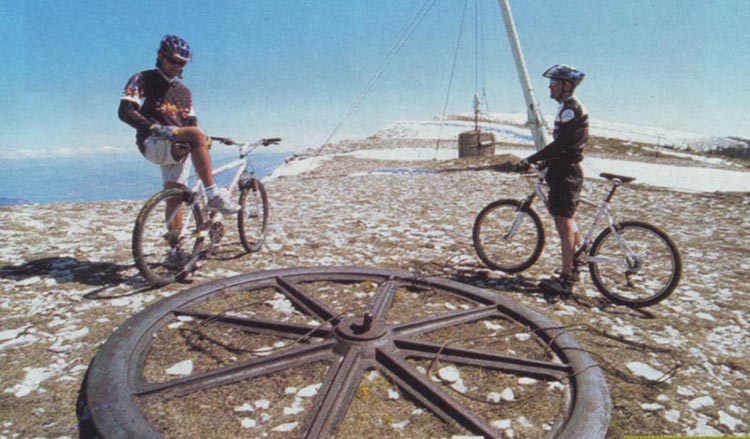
[(158, 150)]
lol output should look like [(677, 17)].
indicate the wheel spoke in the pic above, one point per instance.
[(307, 303), (384, 298), (470, 357), (338, 388), (260, 326), (430, 395), (242, 371), (444, 321)]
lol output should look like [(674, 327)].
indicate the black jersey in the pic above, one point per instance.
[(570, 135), (158, 100)]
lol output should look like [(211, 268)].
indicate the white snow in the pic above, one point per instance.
[(700, 402), (32, 380), (728, 420), (244, 408), (248, 422), (286, 427), (682, 178), (309, 391), (644, 370), (449, 374), (181, 368)]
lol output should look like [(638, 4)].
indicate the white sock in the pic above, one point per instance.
[(212, 191)]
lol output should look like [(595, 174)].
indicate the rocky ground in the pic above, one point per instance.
[(67, 280)]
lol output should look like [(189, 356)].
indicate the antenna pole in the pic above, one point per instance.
[(535, 121)]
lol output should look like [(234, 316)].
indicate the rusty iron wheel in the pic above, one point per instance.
[(351, 343)]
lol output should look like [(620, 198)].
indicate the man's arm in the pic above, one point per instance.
[(128, 113)]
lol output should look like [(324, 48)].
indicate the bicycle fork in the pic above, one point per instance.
[(526, 204)]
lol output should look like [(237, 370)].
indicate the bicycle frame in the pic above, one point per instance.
[(603, 211), (242, 164)]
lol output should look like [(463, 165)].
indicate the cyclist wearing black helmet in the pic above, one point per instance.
[(160, 108), (564, 174)]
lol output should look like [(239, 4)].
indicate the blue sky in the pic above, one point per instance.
[(292, 68)]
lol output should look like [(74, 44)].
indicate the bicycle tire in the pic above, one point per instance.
[(252, 220), (151, 238), (647, 281), (498, 253)]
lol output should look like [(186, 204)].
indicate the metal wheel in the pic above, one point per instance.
[(166, 239), (643, 278), (343, 352), (502, 247), (252, 220)]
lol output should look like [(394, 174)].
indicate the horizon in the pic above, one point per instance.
[(299, 68)]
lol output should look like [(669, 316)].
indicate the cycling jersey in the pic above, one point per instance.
[(157, 99), (563, 156), (570, 135)]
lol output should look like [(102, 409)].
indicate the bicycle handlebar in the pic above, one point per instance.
[(264, 142)]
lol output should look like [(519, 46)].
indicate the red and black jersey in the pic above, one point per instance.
[(157, 100)]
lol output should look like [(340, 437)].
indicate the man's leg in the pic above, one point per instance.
[(199, 154), (567, 243), (202, 162), (176, 225)]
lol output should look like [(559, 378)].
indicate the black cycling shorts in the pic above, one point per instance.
[(565, 184)]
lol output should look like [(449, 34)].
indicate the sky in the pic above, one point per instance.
[(295, 69)]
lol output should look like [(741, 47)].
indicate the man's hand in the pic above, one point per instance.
[(161, 130), (523, 166)]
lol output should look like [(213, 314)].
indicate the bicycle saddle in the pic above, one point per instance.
[(622, 178)]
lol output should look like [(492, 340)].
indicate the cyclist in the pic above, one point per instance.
[(160, 108), (564, 174)]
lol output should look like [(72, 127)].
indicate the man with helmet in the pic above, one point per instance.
[(564, 174), (160, 108)]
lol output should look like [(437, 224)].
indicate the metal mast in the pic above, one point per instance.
[(535, 121)]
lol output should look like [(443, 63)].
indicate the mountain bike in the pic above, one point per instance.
[(631, 263), (176, 228)]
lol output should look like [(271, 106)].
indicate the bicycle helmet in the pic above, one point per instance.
[(565, 72), (176, 47)]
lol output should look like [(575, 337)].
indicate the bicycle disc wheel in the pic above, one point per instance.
[(252, 219), (163, 251), (501, 247), (645, 278)]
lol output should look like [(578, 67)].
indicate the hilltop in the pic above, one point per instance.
[(67, 279)]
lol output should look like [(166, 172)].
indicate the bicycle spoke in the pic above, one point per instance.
[(636, 264), (241, 371)]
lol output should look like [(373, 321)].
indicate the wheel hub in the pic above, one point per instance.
[(361, 329)]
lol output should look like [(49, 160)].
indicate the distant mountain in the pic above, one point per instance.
[(5, 201)]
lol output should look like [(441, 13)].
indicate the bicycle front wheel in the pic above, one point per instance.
[(166, 237), (638, 265), (252, 219), (507, 236)]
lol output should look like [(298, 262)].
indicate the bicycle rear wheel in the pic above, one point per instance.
[(252, 219), (165, 248), (642, 278), (508, 237)]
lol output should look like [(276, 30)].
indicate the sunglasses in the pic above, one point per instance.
[(175, 62)]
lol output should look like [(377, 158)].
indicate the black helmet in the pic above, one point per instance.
[(565, 72), (176, 47)]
